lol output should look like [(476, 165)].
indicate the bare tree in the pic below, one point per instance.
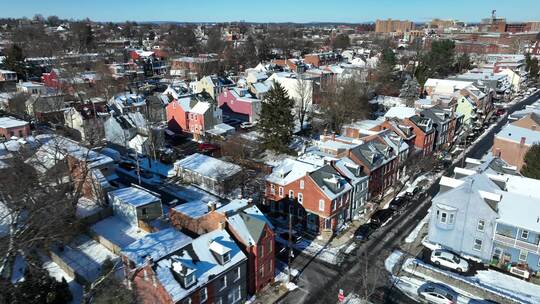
[(304, 92)]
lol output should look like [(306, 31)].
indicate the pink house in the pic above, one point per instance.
[(240, 101), (10, 126)]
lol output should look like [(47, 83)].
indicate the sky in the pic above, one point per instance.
[(351, 11)]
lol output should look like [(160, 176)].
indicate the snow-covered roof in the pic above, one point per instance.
[(511, 211), (290, 170), (198, 257), (400, 112), (156, 245), (11, 122), (134, 196), (118, 231), (514, 133), (201, 107), (193, 209), (208, 166)]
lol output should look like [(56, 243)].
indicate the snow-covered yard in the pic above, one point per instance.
[(85, 256), (117, 231), (86, 208), (282, 275)]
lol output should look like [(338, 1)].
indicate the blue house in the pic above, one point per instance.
[(489, 215)]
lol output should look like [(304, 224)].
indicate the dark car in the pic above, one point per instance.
[(208, 147), (398, 202), (365, 231), (500, 112), (381, 216)]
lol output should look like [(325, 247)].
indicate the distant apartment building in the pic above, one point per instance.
[(390, 26)]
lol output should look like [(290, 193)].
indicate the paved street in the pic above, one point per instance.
[(320, 283)]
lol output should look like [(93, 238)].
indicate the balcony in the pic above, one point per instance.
[(515, 243)]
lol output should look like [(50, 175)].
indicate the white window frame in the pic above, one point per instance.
[(481, 244), (526, 232), (280, 191), (482, 223), (238, 274), (300, 198), (321, 204), (272, 188), (237, 294), (451, 218), (224, 282), (445, 216), (302, 184), (521, 254), (334, 205), (205, 293)]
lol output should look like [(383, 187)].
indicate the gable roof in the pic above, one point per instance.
[(330, 181)]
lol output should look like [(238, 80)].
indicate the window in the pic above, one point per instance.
[(481, 225), (525, 234), (204, 294), (261, 271), (238, 274), (272, 189), (281, 191), (189, 280), (302, 184), (477, 244), (222, 282), (235, 295), (321, 205), (451, 218), (300, 198), (219, 301), (523, 255), (334, 204), (443, 217), (261, 250), (291, 194), (269, 245), (226, 257), (187, 301), (270, 266)]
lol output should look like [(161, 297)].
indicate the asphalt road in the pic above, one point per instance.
[(320, 283)]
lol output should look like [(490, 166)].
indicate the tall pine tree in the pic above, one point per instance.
[(276, 122)]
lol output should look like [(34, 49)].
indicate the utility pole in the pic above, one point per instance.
[(289, 259)]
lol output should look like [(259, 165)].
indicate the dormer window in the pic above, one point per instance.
[(221, 253), (184, 274)]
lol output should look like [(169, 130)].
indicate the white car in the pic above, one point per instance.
[(436, 294), (449, 260), (247, 125)]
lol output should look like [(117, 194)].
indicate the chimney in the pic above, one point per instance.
[(498, 152), (222, 225), (211, 206), (533, 127), (522, 142)]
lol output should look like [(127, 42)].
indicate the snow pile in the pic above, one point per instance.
[(519, 288), (86, 208), (291, 286), (282, 272), (392, 260), (414, 234)]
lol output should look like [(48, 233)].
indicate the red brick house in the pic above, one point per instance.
[(169, 267), (425, 133), (318, 197), (240, 101), (379, 162), (245, 223), (10, 126)]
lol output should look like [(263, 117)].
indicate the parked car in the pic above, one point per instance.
[(247, 125), (411, 191), (398, 202), (381, 216), (482, 301), (207, 147), (437, 294), (449, 260), (500, 112), (365, 231)]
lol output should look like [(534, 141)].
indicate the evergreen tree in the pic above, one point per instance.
[(531, 168), (276, 122), (15, 61), (410, 90)]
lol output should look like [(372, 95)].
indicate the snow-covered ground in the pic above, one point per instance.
[(282, 275), (523, 290), (392, 260), (56, 272), (85, 256), (414, 234), (117, 231)]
